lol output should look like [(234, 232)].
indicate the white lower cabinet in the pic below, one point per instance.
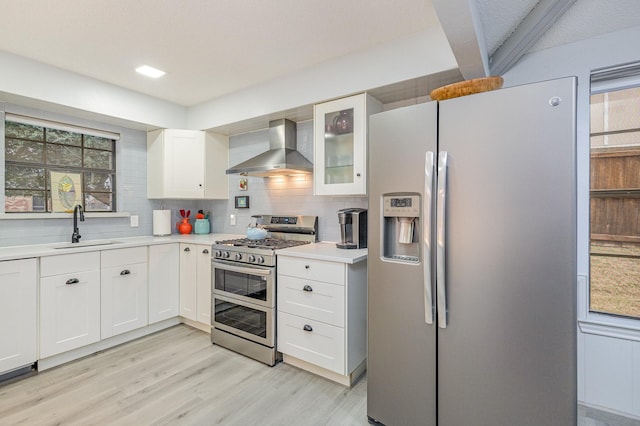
[(188, 295), (69, 302), (321, 324), (195, 283), (124, 293), (18, 314), (164, 282), (203, 285)]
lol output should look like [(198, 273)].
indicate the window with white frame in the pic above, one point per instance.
[(614, 287), (52, 167)]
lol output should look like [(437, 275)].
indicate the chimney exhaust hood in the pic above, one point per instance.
[(282, 157)]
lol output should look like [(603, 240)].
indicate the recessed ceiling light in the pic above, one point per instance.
[(150, 71)]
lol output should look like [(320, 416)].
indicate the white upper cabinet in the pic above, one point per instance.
[(340, 145), (187, 164)]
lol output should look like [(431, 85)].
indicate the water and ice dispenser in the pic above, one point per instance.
[(401, 227)]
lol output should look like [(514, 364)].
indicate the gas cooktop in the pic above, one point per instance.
[(245, 250), (266, 243), (284, 232)]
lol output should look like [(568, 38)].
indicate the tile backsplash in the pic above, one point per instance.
[(282, 195), (131, 154), (278, 195)]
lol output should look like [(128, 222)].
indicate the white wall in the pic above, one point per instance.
[(608, 362), (26, 82), (44, 91), (288, 195), (422, 54), (50, 88)]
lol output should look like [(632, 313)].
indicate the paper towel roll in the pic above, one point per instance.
[(161, 222)]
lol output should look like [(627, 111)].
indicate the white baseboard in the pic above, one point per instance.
[(59, 359), (347, 380)]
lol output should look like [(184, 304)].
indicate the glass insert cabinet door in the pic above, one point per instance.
[(338, 147), (340, 128)]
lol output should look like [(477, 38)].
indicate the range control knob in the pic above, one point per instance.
[(225, 254), (252, 258), (238, 256), (218, 253), (260, 259)]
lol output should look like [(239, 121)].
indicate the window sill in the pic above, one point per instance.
[(619, 328), (602, 324), (88, 215)]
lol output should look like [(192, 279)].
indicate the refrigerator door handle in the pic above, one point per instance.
[(426, 235), (441, 288)]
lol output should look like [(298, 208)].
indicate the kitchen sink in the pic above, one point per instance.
[(95, 243)]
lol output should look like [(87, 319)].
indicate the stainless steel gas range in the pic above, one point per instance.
[(243, 285)]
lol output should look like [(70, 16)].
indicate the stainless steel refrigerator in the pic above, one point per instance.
[(472, 260)]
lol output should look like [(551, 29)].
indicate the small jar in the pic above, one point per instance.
[(202, 226)]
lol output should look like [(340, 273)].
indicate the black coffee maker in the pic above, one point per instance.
[(353, 228)]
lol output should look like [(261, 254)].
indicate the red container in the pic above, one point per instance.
[(185, 226)]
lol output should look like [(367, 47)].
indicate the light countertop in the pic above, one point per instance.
[(325, 251), (52, 249), (321, 251)]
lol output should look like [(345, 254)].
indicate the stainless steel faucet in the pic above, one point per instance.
[(75, 237)]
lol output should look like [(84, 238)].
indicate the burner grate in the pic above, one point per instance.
[(266, 243)]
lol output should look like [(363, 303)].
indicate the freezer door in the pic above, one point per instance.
[(401, 377), (508, 353)]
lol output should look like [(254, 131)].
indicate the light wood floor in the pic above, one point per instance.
[(178, 377)]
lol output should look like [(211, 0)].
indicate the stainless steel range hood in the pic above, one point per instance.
[(282, 157)]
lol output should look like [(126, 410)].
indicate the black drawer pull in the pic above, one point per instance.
[(72, 281), (125, 272), (307, 288), (187, 249), (307, 327), (205, 251), (306, 266)]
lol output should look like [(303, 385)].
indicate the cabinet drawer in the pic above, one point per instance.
[(317, 270), (320, 301), (126, 256), (67, 263), (323, 345)]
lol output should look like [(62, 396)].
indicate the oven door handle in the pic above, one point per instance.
[(243, 270)]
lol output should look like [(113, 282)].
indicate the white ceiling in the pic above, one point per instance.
[(214, 47), (207, 48)]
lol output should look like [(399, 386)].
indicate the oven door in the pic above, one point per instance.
[(248, 283), (247, 320)]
